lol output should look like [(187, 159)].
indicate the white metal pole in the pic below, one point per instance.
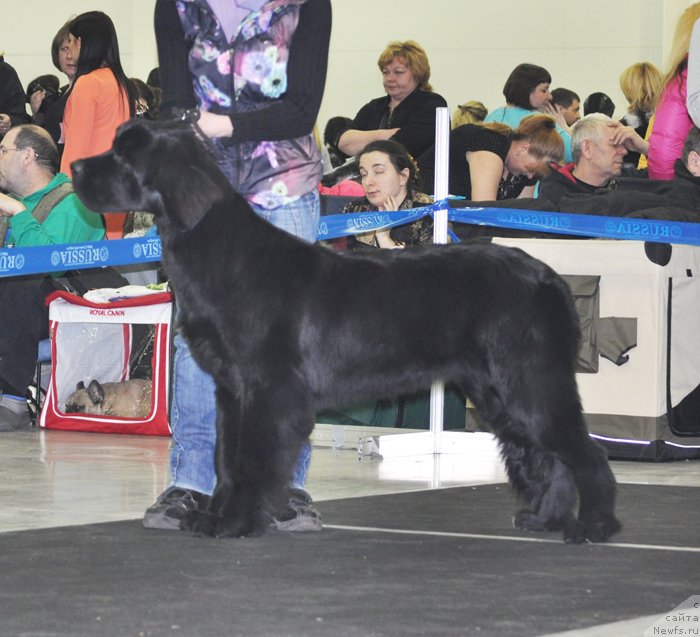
[(442, 168), (442, 153)]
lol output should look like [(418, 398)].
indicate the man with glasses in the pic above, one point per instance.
[(40, 209)]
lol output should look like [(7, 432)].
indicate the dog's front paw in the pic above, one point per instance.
[(200, 523), (596, 530), (239, 526)]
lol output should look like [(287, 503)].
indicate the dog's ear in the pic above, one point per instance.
[(133, 135), (80, 385), (96, 392)]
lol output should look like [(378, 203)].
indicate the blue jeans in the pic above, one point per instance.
[(193, 409)]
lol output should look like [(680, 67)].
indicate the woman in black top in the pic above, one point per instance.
[(491, 161), (407, 113)]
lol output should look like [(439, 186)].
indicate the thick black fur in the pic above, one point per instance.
[(287, 328)]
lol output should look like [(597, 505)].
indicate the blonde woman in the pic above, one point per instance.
[(471, 112), (672, 122), (640, 83), (406, 113)]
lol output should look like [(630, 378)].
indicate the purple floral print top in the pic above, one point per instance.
[(248, 73)]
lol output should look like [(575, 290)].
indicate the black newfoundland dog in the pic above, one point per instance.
[(287, 328)]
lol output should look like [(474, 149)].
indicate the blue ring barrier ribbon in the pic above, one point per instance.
[(603, 227), (147, 249), (73, 256), (582, 225)]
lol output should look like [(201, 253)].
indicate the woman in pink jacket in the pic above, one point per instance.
[(672, 122)]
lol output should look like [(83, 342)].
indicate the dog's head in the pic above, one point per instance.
[(158, 167), (86, 400)]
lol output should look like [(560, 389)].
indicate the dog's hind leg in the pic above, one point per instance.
[(553, 413), (596, 487), (556, 426), (538, 478), (536, 416)]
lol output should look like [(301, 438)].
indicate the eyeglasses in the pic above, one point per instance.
[(6, 149)]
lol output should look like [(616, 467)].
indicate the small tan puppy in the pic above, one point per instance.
[(129, 399)]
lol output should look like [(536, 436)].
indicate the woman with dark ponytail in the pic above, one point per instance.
[(100, 98)]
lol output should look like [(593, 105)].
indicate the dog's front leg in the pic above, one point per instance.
[(257, 443), (234, 509)]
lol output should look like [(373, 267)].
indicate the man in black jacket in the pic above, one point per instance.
[(591, 186), (684, 189), (12, 99), (598, 146)]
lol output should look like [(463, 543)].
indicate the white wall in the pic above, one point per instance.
[(472, 46), (26, 37)]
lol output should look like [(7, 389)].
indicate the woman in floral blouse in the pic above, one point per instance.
[(251, 73)]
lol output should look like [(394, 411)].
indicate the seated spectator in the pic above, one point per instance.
[(682, 193), (527, 93), (592, 185), (342, 177), (675, 199), (12, 98), (43, 91), (640, 83), (568, 104), (689, 164), (471, 112), (42, 210), (153, 78), (407, 113), (491, 161), (598, 145), (148, 99), (390, 182), (334, 128), (598, 103)]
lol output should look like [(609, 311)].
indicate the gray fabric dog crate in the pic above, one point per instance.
[(639, 367)]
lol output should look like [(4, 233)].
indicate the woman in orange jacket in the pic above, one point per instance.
[(100, 98)]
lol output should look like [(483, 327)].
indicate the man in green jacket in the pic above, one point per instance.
[(40, 209)]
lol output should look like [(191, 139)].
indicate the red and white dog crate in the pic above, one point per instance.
[(94, 341)]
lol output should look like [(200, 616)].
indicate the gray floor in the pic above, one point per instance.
[(53, 478)]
